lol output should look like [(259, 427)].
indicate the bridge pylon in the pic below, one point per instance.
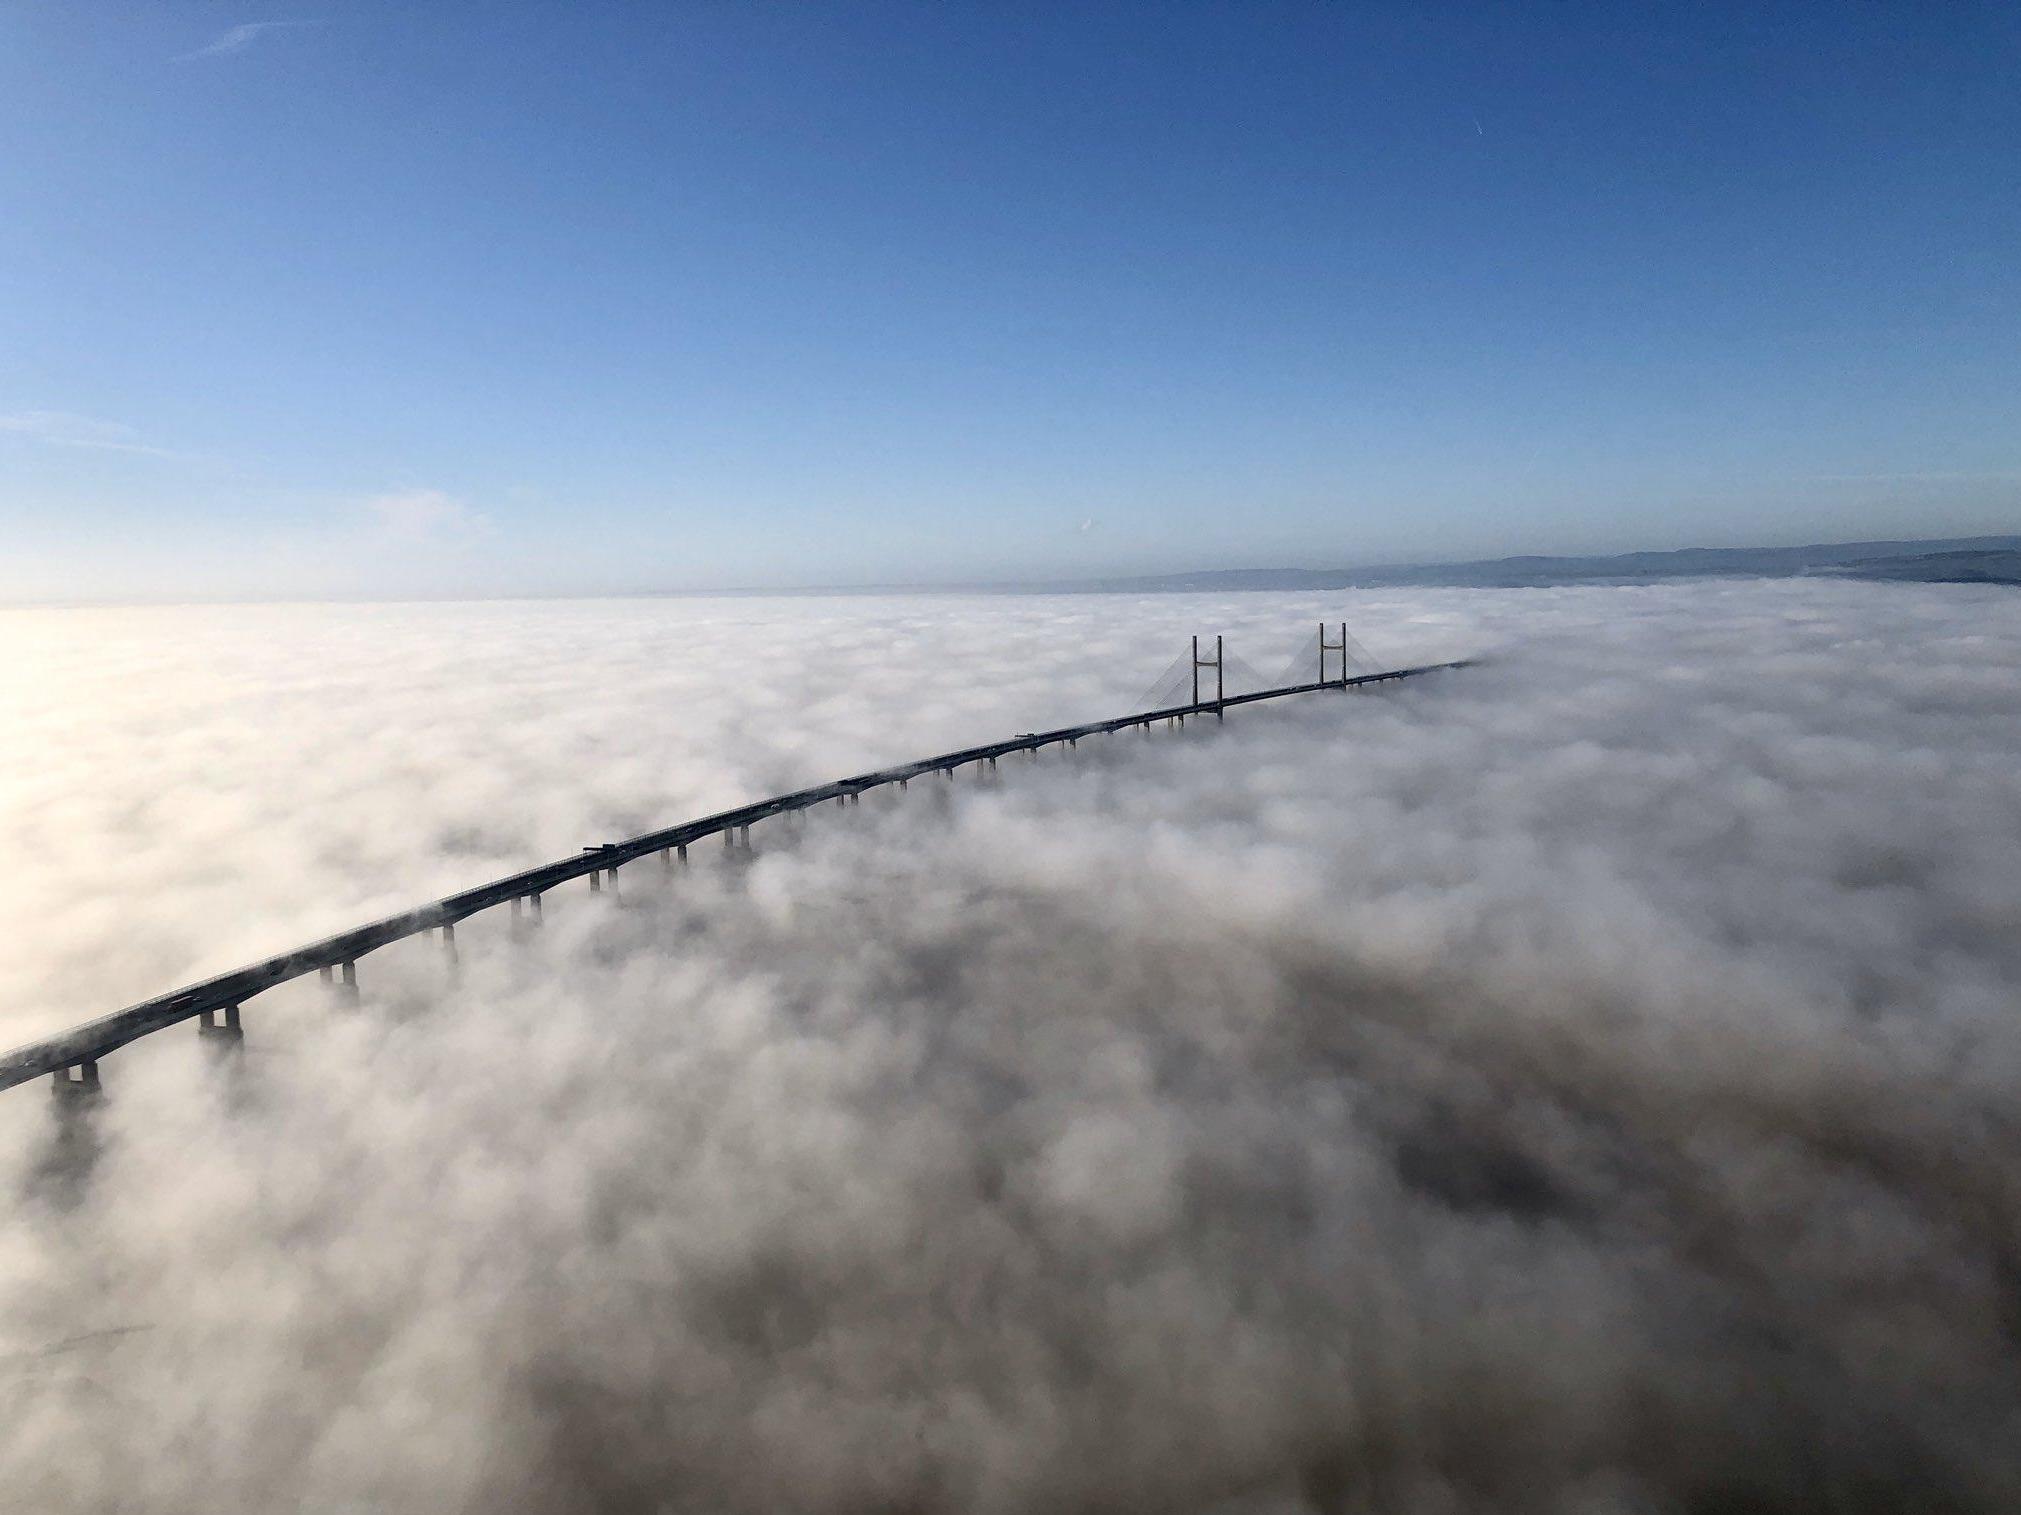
[(1220, 689), (1340, 647)]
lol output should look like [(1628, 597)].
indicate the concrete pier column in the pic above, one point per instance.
[(744, 838), (596, 882), (449, 945), (73, 1092), (225, 1035), (533, 904), (729, 838), (63, 1172), (681, 852), (347, 986)]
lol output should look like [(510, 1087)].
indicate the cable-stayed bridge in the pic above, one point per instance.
[(1194, 685)]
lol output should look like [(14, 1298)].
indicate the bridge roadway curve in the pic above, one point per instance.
[(82, 1046)]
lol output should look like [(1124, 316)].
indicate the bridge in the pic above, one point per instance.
[(71, 1057)]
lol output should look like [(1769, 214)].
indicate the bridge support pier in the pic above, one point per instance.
[(449, 947), (596, 882), (222, 1036), (681, 852), (347, 988), (64, 1169), (76, 1094)]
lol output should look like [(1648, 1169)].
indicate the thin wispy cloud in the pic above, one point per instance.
[(1939, 476), (238, 38), (60, 428)]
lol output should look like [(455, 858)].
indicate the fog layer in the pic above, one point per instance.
[(1582, 1082)]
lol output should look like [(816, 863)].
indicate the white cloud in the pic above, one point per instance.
[(238, 38), (59, 428), (413, 516), (1579, 1082)]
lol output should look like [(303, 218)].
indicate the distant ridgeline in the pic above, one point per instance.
[(1962, 560)]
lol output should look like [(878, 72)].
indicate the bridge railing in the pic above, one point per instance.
[(82, 1046)]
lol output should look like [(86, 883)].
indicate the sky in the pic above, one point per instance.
[(355, 300)]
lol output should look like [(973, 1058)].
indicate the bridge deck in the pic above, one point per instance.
[(92, 1040)]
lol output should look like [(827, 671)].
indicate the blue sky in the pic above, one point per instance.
[(388, 299)]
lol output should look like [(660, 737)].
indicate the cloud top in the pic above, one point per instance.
[(1585, 1082)]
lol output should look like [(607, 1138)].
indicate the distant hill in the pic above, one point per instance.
[(1962, 560), (1957, 566)]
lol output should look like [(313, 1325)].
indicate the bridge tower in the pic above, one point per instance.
[(1220, 690), (1340, 647)]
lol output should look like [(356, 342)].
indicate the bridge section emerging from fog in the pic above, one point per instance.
[(71, 1057)]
